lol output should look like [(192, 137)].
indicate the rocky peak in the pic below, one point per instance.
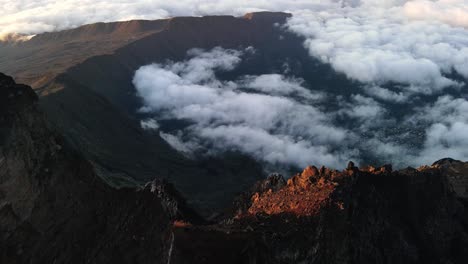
[(306, 193), (303, 195), (369, 215), (457, 173)]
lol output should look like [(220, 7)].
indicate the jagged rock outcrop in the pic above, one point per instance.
[(370, 215), (53, 207), (457, 173)]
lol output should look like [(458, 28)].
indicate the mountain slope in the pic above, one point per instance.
[(55, 209), (46, 55)]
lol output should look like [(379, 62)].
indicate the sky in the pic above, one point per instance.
[(32, 17), (420, 45)]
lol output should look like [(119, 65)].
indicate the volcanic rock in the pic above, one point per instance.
[(55, 209)]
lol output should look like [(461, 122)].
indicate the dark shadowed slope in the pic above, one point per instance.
[(53, 207)]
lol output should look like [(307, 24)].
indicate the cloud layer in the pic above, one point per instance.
[(255, 114), (453, 12), (377, 45), (274, 118)]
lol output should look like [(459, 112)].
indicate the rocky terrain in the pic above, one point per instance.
[(55, 209), (368, 215)]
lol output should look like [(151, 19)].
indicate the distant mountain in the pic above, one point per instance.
[(46, 55)]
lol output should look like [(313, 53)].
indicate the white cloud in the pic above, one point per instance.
[(149, 124), (277, 84), (385, 94), (453, 12), (265, 117), (447, 127), (268, 125), (366, 110), (377, 45), (277, 149), (175, 141)]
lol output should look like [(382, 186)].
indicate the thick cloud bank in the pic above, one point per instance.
[(275, 118), (378, 45), (255, 114), (453, 12)]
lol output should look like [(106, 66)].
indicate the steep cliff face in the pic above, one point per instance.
[(53, 207)]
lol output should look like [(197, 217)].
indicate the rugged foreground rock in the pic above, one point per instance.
[(369, 215), (54, 209)]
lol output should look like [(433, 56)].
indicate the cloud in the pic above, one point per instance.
[(276, 149), (273, 118), (417, 44), (453, 12), (277, 84), (446, 125), (245, 115), (385, 94), (364, 109), (149, 124), (187, 148), (377, 45)]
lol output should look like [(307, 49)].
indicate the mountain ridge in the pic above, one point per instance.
[(67, 47)]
